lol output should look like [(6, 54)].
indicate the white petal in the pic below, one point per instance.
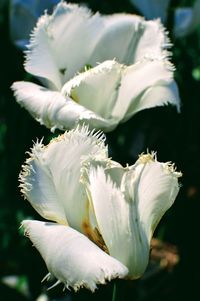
[(120, 231), (156, 189), (142, 87), (71, 257), (38, 187), (129, 38), (158, 95), (54, 110), (154, 42), (51, 178), (152, 9), (120, 33), (90, 91), (128, 210), (56, 42)]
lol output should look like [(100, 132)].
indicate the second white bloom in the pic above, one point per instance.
[(104, 215), (98, 70)]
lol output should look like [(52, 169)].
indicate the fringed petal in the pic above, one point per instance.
[(156, 187), (89, 88), (143, 86), (128, 209), (121, 233), (71, 257), (54, 50), (54, 110), (51, 177)]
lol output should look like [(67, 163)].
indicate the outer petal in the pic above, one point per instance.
[(56, 41), (145, 85), (163, 93), (54, 110), (38, 187), (156, 187), (120, 229), (153, 43), (51, 177), (128, 210), (71, 257), (128, 39), (152, 9), (120, 33)]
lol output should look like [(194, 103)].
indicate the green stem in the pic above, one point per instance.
[(114, 295)]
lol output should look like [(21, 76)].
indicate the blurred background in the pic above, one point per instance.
[(173, 272)]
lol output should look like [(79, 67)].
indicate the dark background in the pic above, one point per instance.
[(175, 137)]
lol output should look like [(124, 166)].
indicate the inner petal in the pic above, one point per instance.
[(97, 88)]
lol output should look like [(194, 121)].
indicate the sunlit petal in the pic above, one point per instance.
[(55, 45), (71, 257), (121, 34), (145, 85), (89, 88), (53, 109), (38, 187), (128, 39), (51, 177), (120, 230), (128, 210), (156, 190)]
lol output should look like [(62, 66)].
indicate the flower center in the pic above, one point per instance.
[(94, 235)]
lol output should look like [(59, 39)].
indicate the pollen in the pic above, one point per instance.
[(94, 235), (74, 96), (145, 158)]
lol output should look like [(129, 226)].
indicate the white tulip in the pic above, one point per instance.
[(95, 69), (103, 215)]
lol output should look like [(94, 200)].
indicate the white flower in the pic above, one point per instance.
[(103, 215), (99, 70), (23, 17), (152, 9)]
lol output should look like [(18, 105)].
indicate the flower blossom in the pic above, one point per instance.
[(100, 216), (97, 70)]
